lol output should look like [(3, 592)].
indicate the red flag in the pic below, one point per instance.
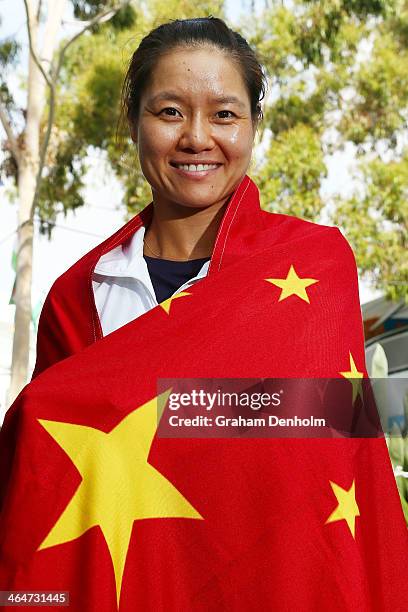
[(96, 503)]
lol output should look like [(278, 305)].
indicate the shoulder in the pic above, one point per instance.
[(81, 270), (68, 320), (290, 229)]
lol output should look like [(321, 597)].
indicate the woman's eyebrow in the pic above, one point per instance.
[(171, 95)]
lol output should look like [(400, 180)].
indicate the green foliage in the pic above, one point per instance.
[(9, 56), (5, 95), (363, 8), (96, 116), (61, 188), (160, 12), (339, 69), (377, 224), (87, 9), (290, 176), (125, 18), (9, 53), (397, 437), (397, 442), (378, 109), (293, 109)]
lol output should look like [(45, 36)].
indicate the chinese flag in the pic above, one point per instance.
[(95, 503)]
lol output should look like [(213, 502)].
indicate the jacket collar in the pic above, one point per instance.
[(127, 261)]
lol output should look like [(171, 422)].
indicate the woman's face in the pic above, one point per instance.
[(196, 110)]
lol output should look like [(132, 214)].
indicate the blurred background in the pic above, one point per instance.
[(333, 148)]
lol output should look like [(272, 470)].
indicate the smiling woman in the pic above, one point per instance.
[(207, 122), (194, 129), (194, 139), (202, 285)]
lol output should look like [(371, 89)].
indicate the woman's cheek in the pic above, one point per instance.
[(232, 136), (236, 141), (168, 134), (156, 141)]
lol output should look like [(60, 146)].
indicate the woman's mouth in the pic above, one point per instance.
[(195, 171)]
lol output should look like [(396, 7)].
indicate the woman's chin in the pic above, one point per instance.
[(188, 199)]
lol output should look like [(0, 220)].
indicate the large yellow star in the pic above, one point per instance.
[(167, 303), (293, 285), (118, 484), (347, 507), (354, 376)]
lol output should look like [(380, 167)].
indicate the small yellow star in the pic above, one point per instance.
[(354, 376), (293, 285), (347, 507), (167, 303)]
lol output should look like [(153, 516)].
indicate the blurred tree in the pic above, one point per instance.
[(338, 74), (28, 134)]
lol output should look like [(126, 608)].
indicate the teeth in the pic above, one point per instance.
[(196, 168)]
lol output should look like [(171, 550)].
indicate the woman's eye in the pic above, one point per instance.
[(226, 111), (169, 108)]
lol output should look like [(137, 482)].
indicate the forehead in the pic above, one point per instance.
[(196, 72)]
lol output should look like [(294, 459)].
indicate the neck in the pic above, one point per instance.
[(180, 232)]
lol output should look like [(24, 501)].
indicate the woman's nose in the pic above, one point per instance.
[(196, 134)]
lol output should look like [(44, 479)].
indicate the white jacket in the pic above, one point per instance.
[(122, 285)]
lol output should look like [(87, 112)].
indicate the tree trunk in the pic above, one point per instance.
[(28, 171), (22, 296)]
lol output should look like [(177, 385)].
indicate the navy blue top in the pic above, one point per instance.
[(167, 275)]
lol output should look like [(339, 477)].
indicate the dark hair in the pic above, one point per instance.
[(187, 33)]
